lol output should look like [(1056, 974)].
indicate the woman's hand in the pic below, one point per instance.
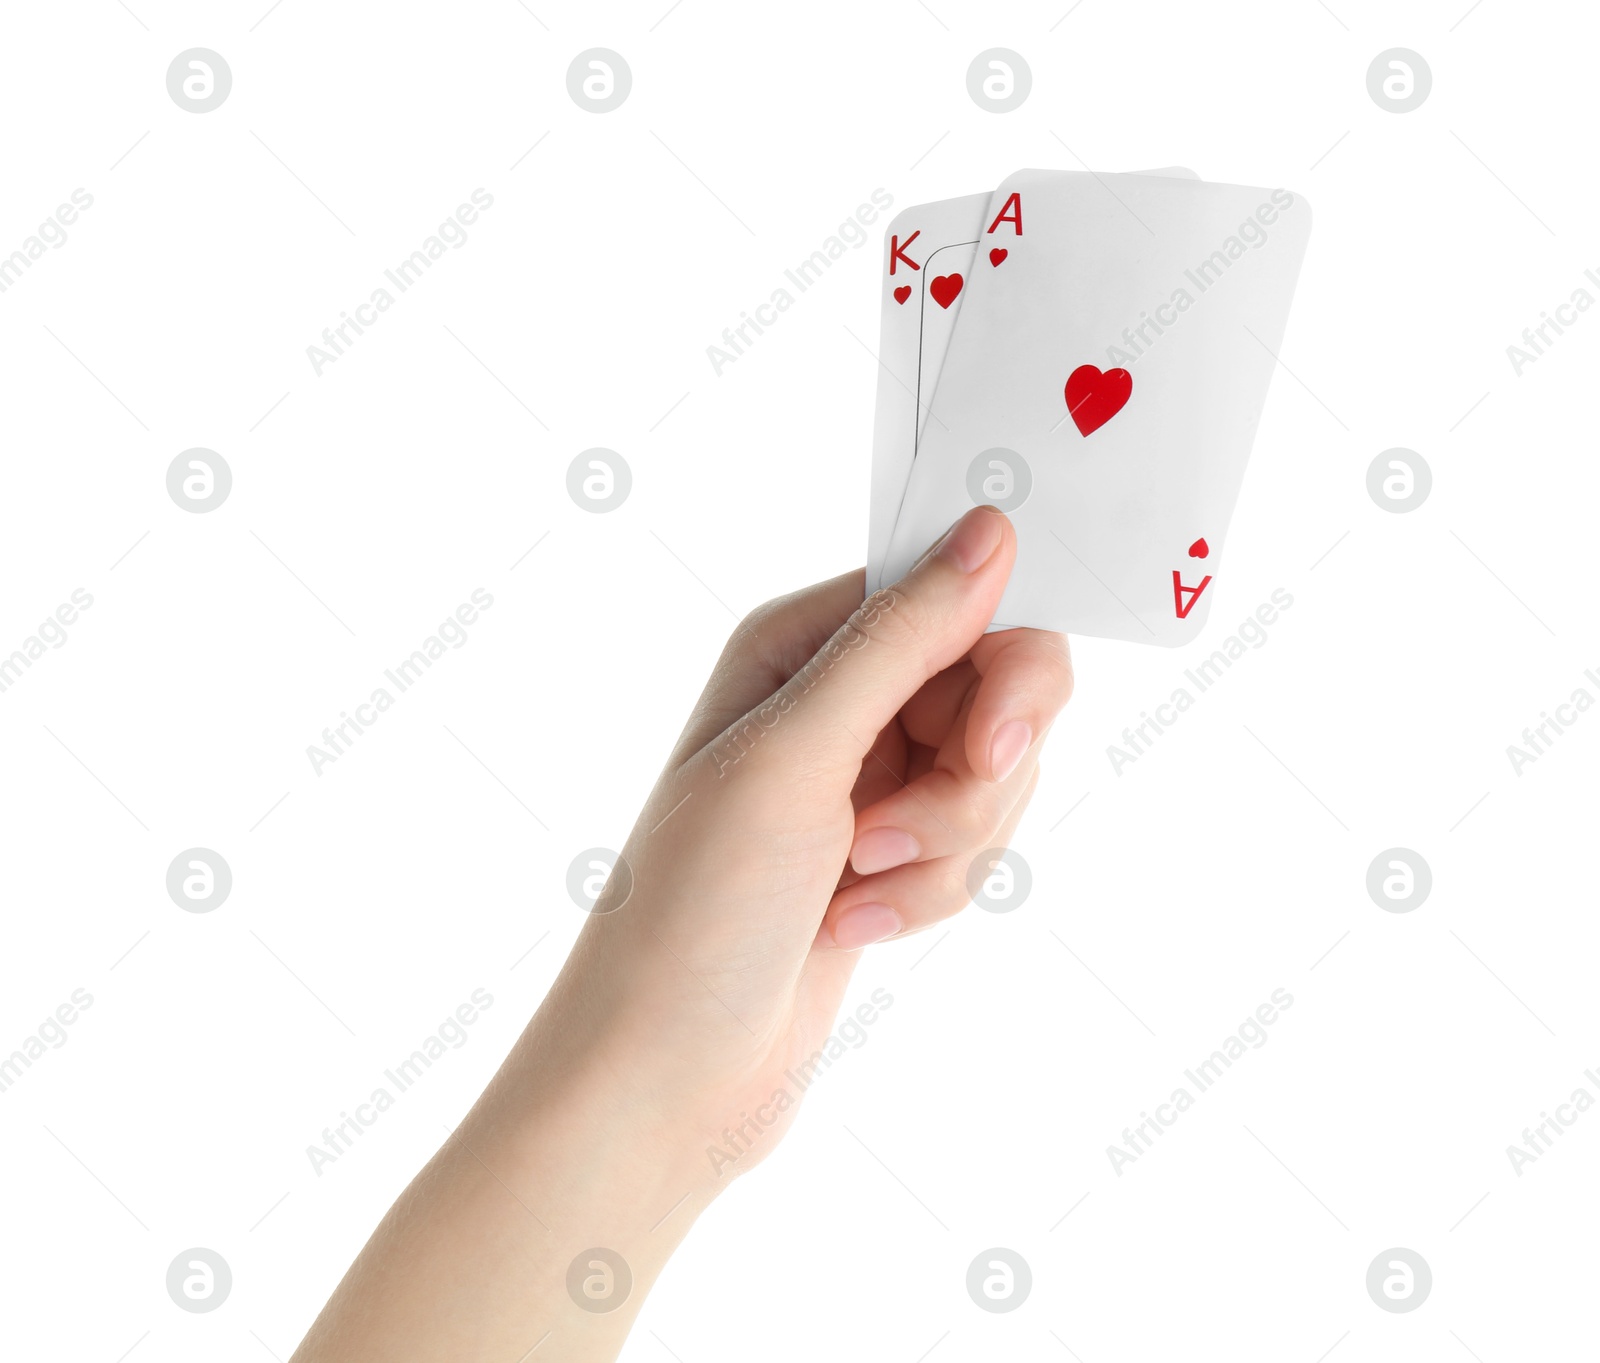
[(845, 765)]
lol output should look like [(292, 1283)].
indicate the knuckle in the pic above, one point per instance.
[(755, 620), (981, 816), (953, 895), (1062, 678), (967, 814), (1056, 663), (744, 640)]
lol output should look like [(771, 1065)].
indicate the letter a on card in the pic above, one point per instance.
[(1183, 598)]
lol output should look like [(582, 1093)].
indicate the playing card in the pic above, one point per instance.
[(1103, 388), (930, 252)]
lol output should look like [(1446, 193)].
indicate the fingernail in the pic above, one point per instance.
[(879, 849), (1011, 740), (863, 924), (972, 540)]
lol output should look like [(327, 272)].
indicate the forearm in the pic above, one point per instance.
[(473, 1260), (712, 967)]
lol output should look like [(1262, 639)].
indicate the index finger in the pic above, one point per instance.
[(1026, 679)]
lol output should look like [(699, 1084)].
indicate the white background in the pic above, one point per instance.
[(1168, 902)]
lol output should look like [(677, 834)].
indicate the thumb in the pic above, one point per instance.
[(898, 639)]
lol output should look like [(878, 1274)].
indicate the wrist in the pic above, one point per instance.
[(609, 1151)]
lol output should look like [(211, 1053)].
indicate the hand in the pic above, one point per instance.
[(843, 768), (845, 764)]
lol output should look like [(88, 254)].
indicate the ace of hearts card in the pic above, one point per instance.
[(1102, 385), (930, 253)]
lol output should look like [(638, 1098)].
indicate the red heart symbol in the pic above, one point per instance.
[(1199, 549), (945, 288), (997, 255), (902, 293), (1094, 398)]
